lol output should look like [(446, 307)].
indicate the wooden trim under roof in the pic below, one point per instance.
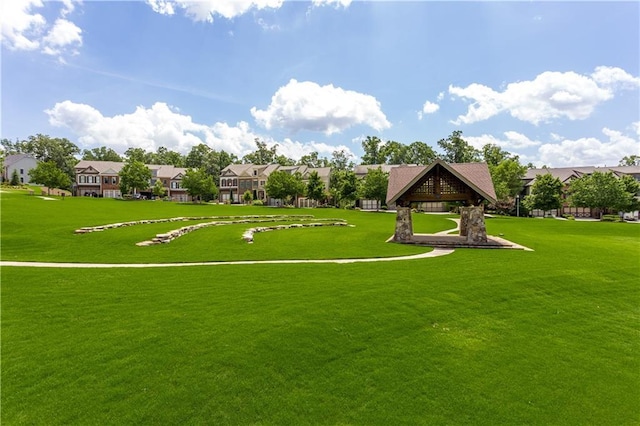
[(476, 176)]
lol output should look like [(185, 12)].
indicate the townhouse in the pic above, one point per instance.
[(236, 179), (101, 179), (21, 163)]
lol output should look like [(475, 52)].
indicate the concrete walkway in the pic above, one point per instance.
[(435, 253)]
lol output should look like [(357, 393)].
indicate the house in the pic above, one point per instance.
[(566, 175), (102, 179), (236, 179), (22, 163)]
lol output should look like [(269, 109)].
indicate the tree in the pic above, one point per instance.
[(15, 179), (48, 173), (315, 187), (45, 148), (494, 155), (165, 156), (137, 154), (631, 188), (457, 150), (313, 160), (372, 151), (343, 187), (374, 186), (421, 154), (262, 155), (507, 181), (546, 193), (101, 154), (602, 191), (285, 186), (133, 176), (199, 185), (630, 160), (158, 189), (247, 196), (341, 160), (284, 161), (395, 153), (212, 161)]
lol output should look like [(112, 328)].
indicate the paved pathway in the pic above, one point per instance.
[(435, 253)]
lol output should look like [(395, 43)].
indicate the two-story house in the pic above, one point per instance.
[(21, 163)]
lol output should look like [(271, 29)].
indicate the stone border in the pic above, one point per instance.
[(248, 234)]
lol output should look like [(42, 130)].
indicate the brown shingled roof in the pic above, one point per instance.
[(476, 175)]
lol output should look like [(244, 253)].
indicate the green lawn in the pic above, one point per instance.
[(495, 337)]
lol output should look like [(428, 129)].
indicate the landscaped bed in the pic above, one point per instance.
[(475, 337)]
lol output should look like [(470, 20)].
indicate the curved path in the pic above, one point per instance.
[(435, 253)]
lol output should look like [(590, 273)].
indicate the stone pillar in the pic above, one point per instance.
[(472, 221), (404, 225)]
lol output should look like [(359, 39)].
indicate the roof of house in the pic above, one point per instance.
[(475, 175), (114, 167), (566, 173), (363, 169), (247, 170), (14, 158)]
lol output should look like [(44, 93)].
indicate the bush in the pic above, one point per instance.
[(258, 203), (610, 218)]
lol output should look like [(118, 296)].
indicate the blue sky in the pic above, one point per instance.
[(556, 83)]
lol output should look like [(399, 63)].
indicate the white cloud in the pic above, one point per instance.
[(512, 141), (589, 151), (206, 10), (636, 128), (549, 96), (428, 108), (309, 106), (162, 125), (24, 29), (336, 3), (440, 97)]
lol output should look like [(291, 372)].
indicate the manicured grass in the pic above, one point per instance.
[(476, 337)]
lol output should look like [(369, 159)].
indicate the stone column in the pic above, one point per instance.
[(474, 228), (404, 225)]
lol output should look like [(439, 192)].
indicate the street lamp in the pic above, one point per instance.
[(518, 205)]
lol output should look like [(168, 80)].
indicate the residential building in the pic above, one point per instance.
[(236, 179), (102, 179), (22, 163), (566, 175)]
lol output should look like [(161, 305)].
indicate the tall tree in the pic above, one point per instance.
[(48, 173), (507, 181), (262, 155), (315, 187), (101, 154), (134, 175), (546, 193), (285, 186), (457, 150), (374, 186), (395, 153), (494, 155), (137, 154), (600, 191), (421, 154), (199, 185), (343, 187), (372, 151), (45, 148), (284, 160), (630, 160), (313, 160), (166, 156), (341, 160)]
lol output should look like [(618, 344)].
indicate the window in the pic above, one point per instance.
[(21, 171), (175, 185), (261, 183), (235, 182), (255, 173), (114, 180), (164, 182), (106, 179), (21, 180), (81, 179)]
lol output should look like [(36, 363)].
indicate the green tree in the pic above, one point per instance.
[(285, 186), (45, 148), (343, 187), (421, 154), (247, 196), (48, 173), (341, 160), (101, 154), (134, 175), (15, 179), (395, 153), (507, 181), (315, 187), (262, 155), (602, 191), (546, 193), (313, 160), (158, 189), (630, 160), (373, 153), (165, 156), (212, 161), (457, 150), (374, 186), (631, 188), (199, 185), (494, 155), (284, 160)]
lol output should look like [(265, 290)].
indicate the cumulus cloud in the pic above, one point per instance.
[(428, 108), (308, 106), (512, 141), (549, 96), (589, 151), (163, 125), (25, 29), (206, 10)]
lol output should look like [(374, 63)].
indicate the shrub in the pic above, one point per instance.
[(258, 203), (610, 218)]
